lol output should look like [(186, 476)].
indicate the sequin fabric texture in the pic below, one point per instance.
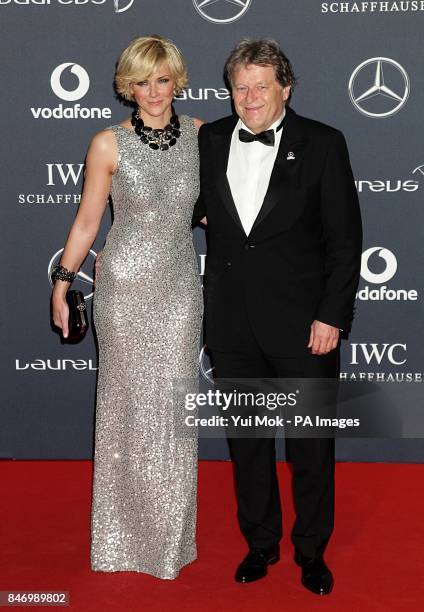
[(147, 313)]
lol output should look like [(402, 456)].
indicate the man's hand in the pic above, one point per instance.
[(323, 338)]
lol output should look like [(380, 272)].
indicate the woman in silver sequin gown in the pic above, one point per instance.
[(147, 312)]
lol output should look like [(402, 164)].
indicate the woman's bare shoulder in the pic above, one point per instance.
[(103, 150), (106, 138), (103, 140)]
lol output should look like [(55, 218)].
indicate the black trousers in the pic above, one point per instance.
[(254, 459)]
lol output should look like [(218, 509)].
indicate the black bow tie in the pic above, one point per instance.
[(267, 137)]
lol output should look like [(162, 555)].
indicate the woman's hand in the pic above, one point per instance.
[(60, 311), (100, 165)]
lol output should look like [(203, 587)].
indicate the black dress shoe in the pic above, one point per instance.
[(316, 576), (254, 565)]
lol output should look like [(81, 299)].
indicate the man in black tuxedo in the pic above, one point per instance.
[(282, 268)]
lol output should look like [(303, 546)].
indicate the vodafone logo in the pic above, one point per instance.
[(370, 259), (76, 86), (79, 91), (389, 270)]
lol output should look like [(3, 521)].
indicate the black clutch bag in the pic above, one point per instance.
[(78, 322)]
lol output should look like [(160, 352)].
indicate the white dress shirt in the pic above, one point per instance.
[(249, 169)]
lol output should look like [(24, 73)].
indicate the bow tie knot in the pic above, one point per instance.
[(267, 137)]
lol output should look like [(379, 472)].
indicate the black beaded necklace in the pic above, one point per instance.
[(162, 138)]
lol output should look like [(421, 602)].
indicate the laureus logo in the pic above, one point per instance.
[(83, 278), (73, 94), (379, 87), (120, 6), (419, 170), (221, 11)]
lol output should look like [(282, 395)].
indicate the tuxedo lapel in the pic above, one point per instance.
[(221, 151), (285, 174)]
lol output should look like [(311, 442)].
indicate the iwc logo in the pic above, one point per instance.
[(83, 279), (386, 357), (61, 174), (379, 87), (221, 11)]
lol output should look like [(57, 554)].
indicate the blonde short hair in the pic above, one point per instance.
[(140, 58)]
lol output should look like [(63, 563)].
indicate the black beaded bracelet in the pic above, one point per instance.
[(63, 274)]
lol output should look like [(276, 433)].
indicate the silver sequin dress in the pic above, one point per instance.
[(147, 312)]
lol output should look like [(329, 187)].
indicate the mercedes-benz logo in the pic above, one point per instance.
[(221, 11), (122, 9), (205, 366), (82, 277), (376, 94)]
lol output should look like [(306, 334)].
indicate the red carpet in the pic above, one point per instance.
[(375, 554)]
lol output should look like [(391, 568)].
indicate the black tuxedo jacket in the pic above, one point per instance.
[(301, 260)]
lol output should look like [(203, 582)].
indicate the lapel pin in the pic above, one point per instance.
[(290, 155)]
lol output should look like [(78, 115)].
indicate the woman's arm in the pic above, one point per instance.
[(101, 163), (198, 123)]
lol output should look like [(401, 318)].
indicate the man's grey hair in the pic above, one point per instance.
[(262, 52)]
